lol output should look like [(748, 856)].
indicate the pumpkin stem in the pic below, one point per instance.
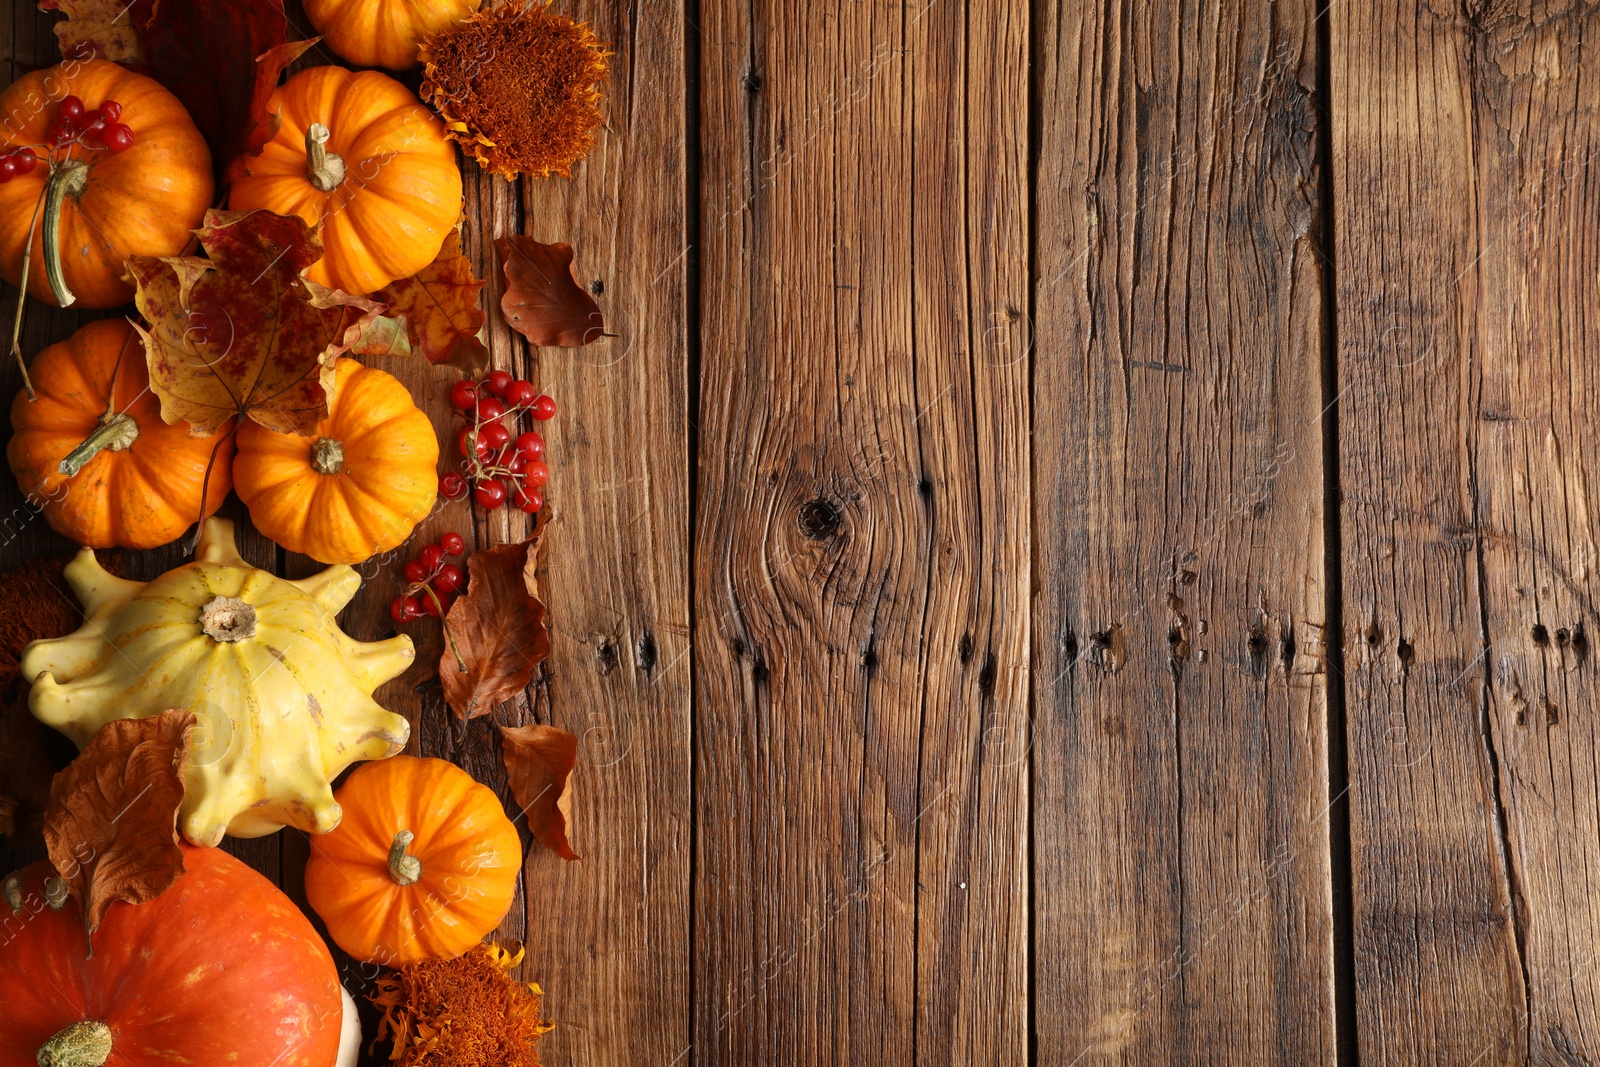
[(327, 456), (116, 431), (56, 893), (403, 869), (227, 618), (13, 888), (85, 1044), (68, 179), (324, 169)]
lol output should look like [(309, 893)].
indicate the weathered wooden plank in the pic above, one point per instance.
[(1465, 194), (1180, 830), (861, 556), (608, 936)]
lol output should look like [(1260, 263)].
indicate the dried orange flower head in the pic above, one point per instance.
[(465, 1012), (518, 87)]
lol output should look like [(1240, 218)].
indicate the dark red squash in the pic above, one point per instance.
[(220, 969)]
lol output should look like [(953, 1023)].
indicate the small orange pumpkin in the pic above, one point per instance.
[(98, 207), (359, 487), (423, 865), (93, 454), (383, 33), (360, 155)]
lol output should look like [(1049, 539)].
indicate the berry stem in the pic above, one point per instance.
[(427, 587), (22, 299)]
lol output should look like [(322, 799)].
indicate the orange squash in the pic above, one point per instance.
[(102, 206), (360, 155), (130, 480), (383, 33), (357, 488), (423, 865)]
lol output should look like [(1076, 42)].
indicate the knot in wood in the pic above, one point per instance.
[(819, 519)]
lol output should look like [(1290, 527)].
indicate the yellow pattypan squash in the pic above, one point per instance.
[(282, 696)]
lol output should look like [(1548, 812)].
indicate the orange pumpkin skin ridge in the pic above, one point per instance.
[(140, 202), (383, 33), (401, 194), (470, 856), (221, 963), (144, 496), (388, 483)]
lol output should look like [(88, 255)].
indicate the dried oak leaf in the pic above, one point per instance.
[(439, 305), (242, 333), (112, 827), (496, 632), (543, 301), (25, 771), (539, 762)]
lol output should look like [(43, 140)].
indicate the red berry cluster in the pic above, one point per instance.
[(100, 129), (433, 583), (498, 463)]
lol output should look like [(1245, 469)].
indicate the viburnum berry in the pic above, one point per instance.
[(495, 435), (528, 500), (405, 609), (60, 132), (69, 108), (449, 580), (453, 544), (119, 138), (496, 382), (111, 110), (530, 444), (415, 571), (464, 395), (490, 493), (470, 442), (433, 605), (452, 485), (23, 161), (510, 459), (489, 409), (537, 472), (8, 168), (430, 556), (544, 408), (519, 394)]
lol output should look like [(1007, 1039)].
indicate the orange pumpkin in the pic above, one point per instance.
[(360, 155), (222, 968), (359, 487), (93, 454), (423, 865), (383, 33), (102, 206)]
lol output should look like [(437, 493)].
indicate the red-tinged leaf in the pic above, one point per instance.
[(104, 29), (385, 336), (261, 125), (112, 827), (440, 308), (242, 333), (25, 772), (543, 301), (539, 762), (496, 631)]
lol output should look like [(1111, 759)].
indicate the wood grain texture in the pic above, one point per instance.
[(861, 555), (1465, 140), (1180, 833), (609, 935)]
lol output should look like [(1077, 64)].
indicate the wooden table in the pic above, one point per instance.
[(1083, 547)]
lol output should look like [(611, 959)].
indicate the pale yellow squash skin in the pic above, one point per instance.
[(280, 713)]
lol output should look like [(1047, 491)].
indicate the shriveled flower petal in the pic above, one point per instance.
[(465, 1012)]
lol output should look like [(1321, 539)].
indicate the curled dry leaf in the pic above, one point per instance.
[(98, 28), (439, 306), (242, 333), (496, 630), (112, 827), (539, 762), (543, 301)]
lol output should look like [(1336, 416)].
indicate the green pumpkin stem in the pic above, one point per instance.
[(85, 1044), (68, 179), (403, 868), (116, 431)]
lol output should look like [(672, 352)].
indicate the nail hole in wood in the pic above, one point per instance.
[(1101, 639), (752, 82), (1287, 648), (986, 676), (644, 653), (597, 287), (1580, 643), (605, 655), (1541, 636), (869, 657), (1405, 652), (818, 519), (925, 489), (1069, 646), (1374, 635), (964, 648), (758, 670), (1551, 714), (1563, 637)]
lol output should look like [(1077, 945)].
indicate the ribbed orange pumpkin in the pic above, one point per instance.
[(138, 481), (423, 865), (139, 202), (361, 155), (220, 969), (383, 33), (357, 488)]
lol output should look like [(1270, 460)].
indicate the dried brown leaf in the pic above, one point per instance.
[(100, 28), (539, 762), (112, 827), (439, 305), (543, 301), (497, 629), (242, 333)]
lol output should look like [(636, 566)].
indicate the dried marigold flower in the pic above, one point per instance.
[(517, 87), (465, 1012)]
